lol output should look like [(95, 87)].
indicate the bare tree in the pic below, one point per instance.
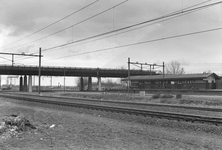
[(174, 67)]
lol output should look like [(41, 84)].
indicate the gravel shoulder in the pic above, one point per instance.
[(77, 128)]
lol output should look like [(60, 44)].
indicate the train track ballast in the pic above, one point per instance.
[(133, 111)]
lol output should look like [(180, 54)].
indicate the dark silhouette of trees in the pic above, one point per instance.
[(174, 67)]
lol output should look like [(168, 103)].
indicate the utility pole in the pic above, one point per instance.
[(22, 54), (141, 67), (163, 70), (128, 75), (64, 80), (40, 51), (12, 59)]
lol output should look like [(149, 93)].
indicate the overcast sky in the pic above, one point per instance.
[(196, 53)]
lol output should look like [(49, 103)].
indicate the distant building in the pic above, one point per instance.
[(177, 81)]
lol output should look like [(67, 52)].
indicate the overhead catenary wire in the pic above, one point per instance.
[(50, 24), (5, 58), (123, 31), (178, 13), (138, 24), (69, 26), (139, 43), (186, 10)]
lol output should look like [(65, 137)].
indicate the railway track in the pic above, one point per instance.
[(69, 102), (124, 103)]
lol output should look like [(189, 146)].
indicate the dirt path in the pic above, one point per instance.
[(61, 128)]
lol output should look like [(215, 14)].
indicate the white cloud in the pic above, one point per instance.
[(23, 17)]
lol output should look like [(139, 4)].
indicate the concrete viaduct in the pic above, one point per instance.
[(65, 71)]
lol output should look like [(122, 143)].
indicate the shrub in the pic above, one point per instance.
[(178, 96), (155, 96), (167, 96)]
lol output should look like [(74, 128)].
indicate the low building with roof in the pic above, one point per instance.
[(176, 81)]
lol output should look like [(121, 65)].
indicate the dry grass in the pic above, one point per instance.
[(89, 129), (199, 100)]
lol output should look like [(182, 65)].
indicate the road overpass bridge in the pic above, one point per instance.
[(69, 71), (66, 71)]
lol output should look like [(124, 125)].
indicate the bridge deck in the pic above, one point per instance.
[(68, 71)]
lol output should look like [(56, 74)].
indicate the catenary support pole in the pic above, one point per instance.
[(12, 59), (39, 70), (128, 75), (64, 80), (163, 70)]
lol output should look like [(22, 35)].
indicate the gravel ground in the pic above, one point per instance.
[(77, 128), (187, 100)]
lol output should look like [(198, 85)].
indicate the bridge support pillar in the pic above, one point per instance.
[(21, 84), (99, 84), (89, 83), (30, 84), (25, 84), (81, 84)]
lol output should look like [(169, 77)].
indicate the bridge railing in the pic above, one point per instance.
[(67, 68)]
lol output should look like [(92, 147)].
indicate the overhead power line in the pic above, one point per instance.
[(5, 58), (139, 43), (171, 15), (69, 26), (51, 24), (138, 24), (185, 11), (116, 33)]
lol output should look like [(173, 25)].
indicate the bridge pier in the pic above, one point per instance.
[(30, 84), (99, 84), (25, 84), (89, 83), (81, 84), (21, 83)]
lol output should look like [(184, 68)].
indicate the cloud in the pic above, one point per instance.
[(23, 17), (30, 15)]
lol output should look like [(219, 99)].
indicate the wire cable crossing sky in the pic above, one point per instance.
[(52, 23), (100, 33)]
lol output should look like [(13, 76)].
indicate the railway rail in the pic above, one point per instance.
[(126, 110), (124, 103)]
